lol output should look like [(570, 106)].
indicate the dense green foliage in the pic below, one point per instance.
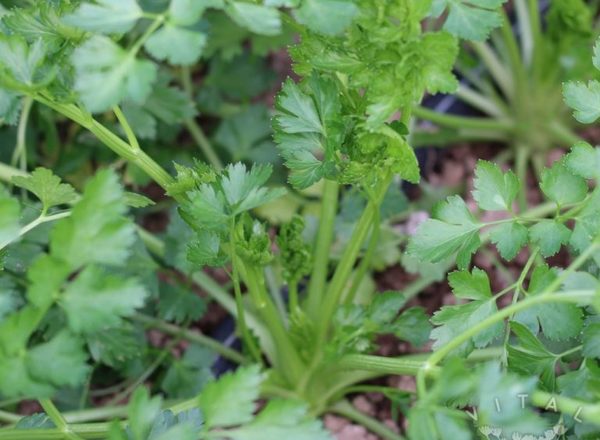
[(81, 280)]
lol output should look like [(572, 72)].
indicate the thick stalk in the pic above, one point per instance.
[(581, 411), (239, 301), (462, 122), (287, 360), (409, 365), (516, 64), (344, 408), (478, 101), (495, 67), (316, 286), (365, 263), (346, 264), (564, 134), (523, 21)]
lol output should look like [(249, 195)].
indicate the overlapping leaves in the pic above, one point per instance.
[(73, 277)]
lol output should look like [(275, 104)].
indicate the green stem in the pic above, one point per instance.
[(515, 299), (92, 431), (34, 224), (462, 122), (495, 67), (581, 411), (322, 249), (158, 21), (521, 162), (573, 297), (239, 300), (564, 134), (192, 336), (20, 151), (365, 263), (8, 172), (344, 408), (479, 101), (126, 128), (409, 365), (519, 73), (58, 419), (527, 44), (111, 140), (193, 128), (203, 143), (535, 23)]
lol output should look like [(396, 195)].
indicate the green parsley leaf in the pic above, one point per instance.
[(257, 18), (10, 213), (10, 106), (509, 239), (61, 361), (469, 19), (530, 357), (413, 326), (180, 305), (188, 12), (247, 135), (169, 104), (142, 411), (281, 419), (115, 346), (454, 320), (186, 377), (591, 340), (244, 189), (496, 389), (20, 63), (34, 421), (15, 380), (230, 400), (47, 187), (46, 275), (470, 285), (96, 300), (106, 74), (558, 321), (453, 230), (562, 186), (549, 235), (306, 125), (584, 99), (96, 231), (328, 17), (106, 16), (177, 45), (584, 161), (439, 52), (495, 190)]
